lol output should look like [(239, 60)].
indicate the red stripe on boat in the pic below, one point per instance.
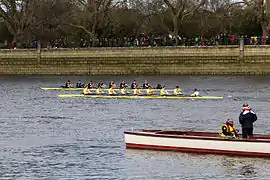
[(196, 150)]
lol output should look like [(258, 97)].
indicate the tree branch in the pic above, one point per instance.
[(83, 28)]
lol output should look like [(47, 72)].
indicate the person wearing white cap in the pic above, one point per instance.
[(246, 118)]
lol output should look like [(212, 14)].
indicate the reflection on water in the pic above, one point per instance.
[(243, 167), (196, 166), (248, 170), (45, 137)]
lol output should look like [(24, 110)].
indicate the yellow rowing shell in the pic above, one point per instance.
[(137, 97)]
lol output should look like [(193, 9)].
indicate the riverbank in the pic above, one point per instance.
[(219, 60)]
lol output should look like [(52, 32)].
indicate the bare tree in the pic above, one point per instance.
[(47, 20), (179, 10), (92, 15), (51, 17), (17, 15), (261, 8)]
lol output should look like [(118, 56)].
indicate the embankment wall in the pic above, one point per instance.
[(138, 61)]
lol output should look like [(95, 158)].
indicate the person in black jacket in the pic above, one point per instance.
[(79, 84), (123, 85), (246, 118), (146, 85)]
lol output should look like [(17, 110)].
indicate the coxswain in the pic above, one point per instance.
[(149, 91), (177, 91), (101, 84), (123, 85), (111, 91), (228, 130), (146, 85), (68, 84), (86, 91), (123, 91), (163, 91), (79, 84), (134, 85), (195, 92)]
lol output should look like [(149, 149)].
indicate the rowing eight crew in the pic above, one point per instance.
[(112, 84), (123, 90), (149, 91)]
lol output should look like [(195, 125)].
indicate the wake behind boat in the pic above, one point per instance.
[(198, 142), (136, 97)]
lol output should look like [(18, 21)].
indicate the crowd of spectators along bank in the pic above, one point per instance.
[(141, 42)]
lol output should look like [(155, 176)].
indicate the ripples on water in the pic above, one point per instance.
[(45, 137)]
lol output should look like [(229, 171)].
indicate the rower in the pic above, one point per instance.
[(111, 91), (134, 85), (163, 91), (90, 85), (195, 92), (146, 85), (149, 91), (136, 92), (79, 84), (123, 91), (159, 86), (228, 130), (101, 84), (112, 85), (123, 85), (68, 84), (86, 91), (98, 90), (177, 91)]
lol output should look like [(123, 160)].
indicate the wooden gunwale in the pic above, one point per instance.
[(200, 136)]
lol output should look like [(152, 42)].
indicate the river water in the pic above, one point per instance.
[(46, 137)]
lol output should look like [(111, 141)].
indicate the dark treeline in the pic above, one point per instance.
[(112, 23)]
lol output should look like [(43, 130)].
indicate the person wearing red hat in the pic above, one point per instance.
[(246, 118)]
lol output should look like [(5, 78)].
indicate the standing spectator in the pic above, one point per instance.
[(246, 119), (5, 44), (13, 44)]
